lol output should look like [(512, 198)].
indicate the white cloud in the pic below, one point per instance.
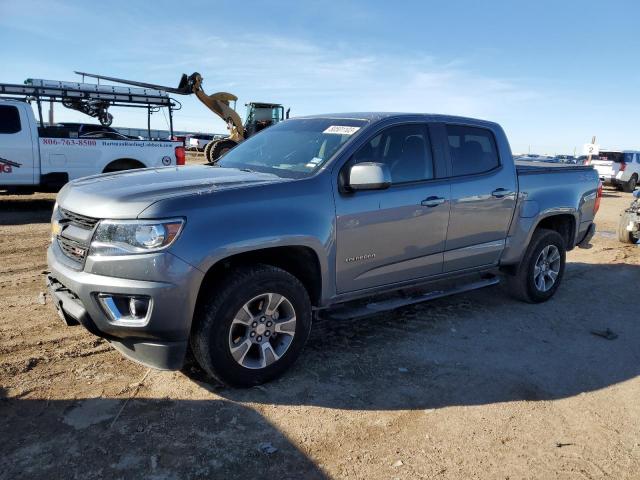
[(315, 78), (310, 77)]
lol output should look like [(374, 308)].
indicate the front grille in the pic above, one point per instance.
[(79, 220), (72, 249)]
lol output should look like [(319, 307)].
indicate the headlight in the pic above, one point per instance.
[(127, 237)]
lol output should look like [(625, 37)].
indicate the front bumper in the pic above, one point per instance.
[(171, 284), (611, 180)]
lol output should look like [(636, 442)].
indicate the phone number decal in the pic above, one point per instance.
[(69, 142), (105, 143)]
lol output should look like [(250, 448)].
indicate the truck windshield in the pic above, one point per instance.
[(295, 148)]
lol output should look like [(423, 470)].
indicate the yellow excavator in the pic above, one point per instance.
[(259, 115)]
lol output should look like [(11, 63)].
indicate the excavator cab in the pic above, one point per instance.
[(262, 115)]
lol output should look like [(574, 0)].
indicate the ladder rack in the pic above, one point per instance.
[(91, 98)]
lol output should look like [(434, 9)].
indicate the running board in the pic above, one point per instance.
[(350, 312)]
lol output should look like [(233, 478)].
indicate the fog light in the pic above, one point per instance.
[(138, 307), (126, 309)]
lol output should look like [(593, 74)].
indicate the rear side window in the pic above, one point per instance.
[(473, 150), (9, 119), (616, 157)]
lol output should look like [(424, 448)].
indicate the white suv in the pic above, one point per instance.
[(618, 168)]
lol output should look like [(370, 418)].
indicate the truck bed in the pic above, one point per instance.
[(532, 168)]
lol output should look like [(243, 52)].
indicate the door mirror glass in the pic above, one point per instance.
[(369, 176)]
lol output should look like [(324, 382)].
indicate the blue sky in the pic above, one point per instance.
[(553, 73)]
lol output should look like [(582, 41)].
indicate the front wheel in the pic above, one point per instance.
[(541, 270), (252, 328), (631, 185)]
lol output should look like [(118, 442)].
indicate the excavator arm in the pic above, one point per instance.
[(218, 103)]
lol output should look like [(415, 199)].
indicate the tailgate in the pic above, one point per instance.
[(606, 168), (609, 163)]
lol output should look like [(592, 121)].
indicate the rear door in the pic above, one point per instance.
[(17, 158), (483, 197), (398, 234)]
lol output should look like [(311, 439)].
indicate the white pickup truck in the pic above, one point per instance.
[(37, 158)]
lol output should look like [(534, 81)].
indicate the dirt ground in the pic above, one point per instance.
[(473, 386)]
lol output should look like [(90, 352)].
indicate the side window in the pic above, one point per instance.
[(9, 119), (405, 149), (473, 150)]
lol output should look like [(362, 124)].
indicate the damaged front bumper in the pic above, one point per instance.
[(160, 338)]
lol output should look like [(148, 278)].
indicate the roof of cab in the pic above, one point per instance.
[(378, 116)]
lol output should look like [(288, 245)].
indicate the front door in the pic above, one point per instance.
[(17, 166), (398, 234)]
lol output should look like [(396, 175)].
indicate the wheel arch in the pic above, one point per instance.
[(300, 261), (564, 223), (120, 164)]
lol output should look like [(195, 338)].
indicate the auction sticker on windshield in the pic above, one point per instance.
[(341, 130)]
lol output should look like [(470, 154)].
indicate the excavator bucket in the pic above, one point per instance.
[(184, 83)]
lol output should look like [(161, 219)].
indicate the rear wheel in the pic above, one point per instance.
[(631, 185), (624, 235), (541, 270), (253, 328), (218, 149)]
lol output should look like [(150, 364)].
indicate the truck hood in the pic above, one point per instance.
[(127, 194)]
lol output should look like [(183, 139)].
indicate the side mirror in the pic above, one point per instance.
[(369, 176)]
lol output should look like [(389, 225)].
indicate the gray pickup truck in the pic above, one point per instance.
[(327, 216)]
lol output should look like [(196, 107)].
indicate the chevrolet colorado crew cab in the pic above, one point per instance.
[(335, 216)]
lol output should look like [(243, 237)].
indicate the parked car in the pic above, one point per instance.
[(336, 216), (109, 135), (198, 142), (80, 130), (629, 224), (620, 169), (567, 159), (48, 157)]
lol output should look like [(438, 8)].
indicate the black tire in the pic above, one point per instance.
[(625, 235), (219, 148), (211, 332), (521, 284), (207, 149), (631, 185)]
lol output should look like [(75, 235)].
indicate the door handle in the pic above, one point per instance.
[(432, 202), (501, 193)]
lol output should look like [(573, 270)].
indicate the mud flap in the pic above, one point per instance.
[(585, 242)]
